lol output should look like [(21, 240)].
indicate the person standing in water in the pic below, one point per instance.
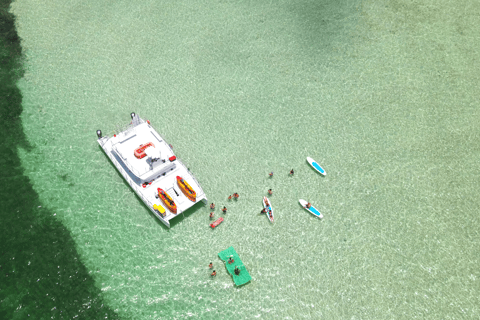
[(291, 172), (224, 209), (270, 191)]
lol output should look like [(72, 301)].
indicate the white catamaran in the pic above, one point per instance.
[(150, 167)]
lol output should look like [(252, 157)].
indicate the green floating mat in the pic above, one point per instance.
[(244, 276)]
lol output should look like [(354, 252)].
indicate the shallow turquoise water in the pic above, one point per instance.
[(382, 95)]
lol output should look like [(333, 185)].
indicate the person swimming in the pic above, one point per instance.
[(263, 210), (212, 206), (224, 209), (211, 215), (230, 197), (235, 195), (210, 265), (270, 191), (291, 172), (214, 273), (271, 174)]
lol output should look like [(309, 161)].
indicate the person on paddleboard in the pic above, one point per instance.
[(308, 205)]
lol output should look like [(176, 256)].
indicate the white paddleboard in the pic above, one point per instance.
[(312, 209), (269, 208), (316, 166)]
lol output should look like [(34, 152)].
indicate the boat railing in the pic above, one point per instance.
[(132, 169), (126, 129), (131, 182)]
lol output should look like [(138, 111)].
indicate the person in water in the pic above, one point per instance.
[(230, 197), (210, 265), (211, 215), (212, 206), (224, 209), (270, 191), (237, 271), (291, 172), (236, 195), (263, 210), (214, 273), (271, 174)]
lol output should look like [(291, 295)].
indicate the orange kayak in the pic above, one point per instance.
[(167, 200), (186, 189)]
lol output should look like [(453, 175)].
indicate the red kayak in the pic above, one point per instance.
[(216, 223)]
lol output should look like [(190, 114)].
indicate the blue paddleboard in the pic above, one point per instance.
[(316, 166)]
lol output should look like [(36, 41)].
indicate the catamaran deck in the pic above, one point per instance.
[(158, 169)]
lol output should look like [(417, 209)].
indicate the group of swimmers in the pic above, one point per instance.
[(235, 195), (224, 210), (230, 261), (264, 210), (212, 206)]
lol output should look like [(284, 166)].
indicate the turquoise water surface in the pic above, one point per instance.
[(384, 95)]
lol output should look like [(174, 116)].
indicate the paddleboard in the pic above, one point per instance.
[(316, 166), (269, 208), (312, 209), (216, 223)]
